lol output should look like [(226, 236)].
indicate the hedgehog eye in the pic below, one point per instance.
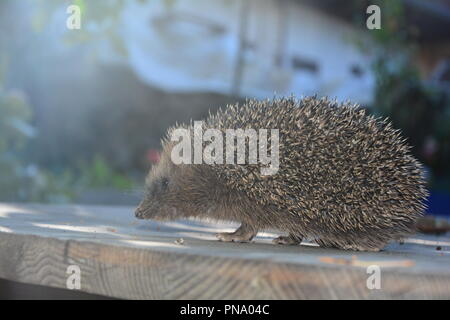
[(164, 183)]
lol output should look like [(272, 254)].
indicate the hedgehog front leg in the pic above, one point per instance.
[(291, 239), (244, 233)]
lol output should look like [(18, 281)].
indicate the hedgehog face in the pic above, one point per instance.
[(172, 192), (159, 202), (154, 205)]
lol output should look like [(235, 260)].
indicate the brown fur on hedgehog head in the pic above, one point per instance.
[(177, 191), (162, 199)]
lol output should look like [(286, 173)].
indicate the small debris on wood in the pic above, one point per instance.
[(179, 241)]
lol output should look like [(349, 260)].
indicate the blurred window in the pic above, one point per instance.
[(299, 63), (357, 71)]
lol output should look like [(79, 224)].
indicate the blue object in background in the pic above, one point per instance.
[(439, 203)]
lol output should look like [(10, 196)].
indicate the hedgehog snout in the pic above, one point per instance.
[(144, 209)]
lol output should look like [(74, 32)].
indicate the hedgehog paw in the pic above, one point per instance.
[(242, 234), (287, 240), (233, 237)]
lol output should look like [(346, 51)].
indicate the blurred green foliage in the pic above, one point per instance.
[(418, 107), (100, 21), (24, 181), (97, 173), (14, 132), (22, 178)]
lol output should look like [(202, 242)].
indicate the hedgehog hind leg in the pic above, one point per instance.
[(244, 233), (290, 239)]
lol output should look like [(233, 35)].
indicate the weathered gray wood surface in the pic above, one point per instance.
[(123, 257)]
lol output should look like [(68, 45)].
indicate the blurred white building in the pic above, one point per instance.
[(252, 48), (247, 47)]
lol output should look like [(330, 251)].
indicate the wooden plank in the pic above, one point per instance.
[(122, 257)]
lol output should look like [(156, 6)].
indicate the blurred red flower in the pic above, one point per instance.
[(153, 156)]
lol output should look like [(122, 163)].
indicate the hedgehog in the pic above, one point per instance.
[(345, 179)]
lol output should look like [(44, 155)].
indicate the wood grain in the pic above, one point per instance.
[(151, 266)]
